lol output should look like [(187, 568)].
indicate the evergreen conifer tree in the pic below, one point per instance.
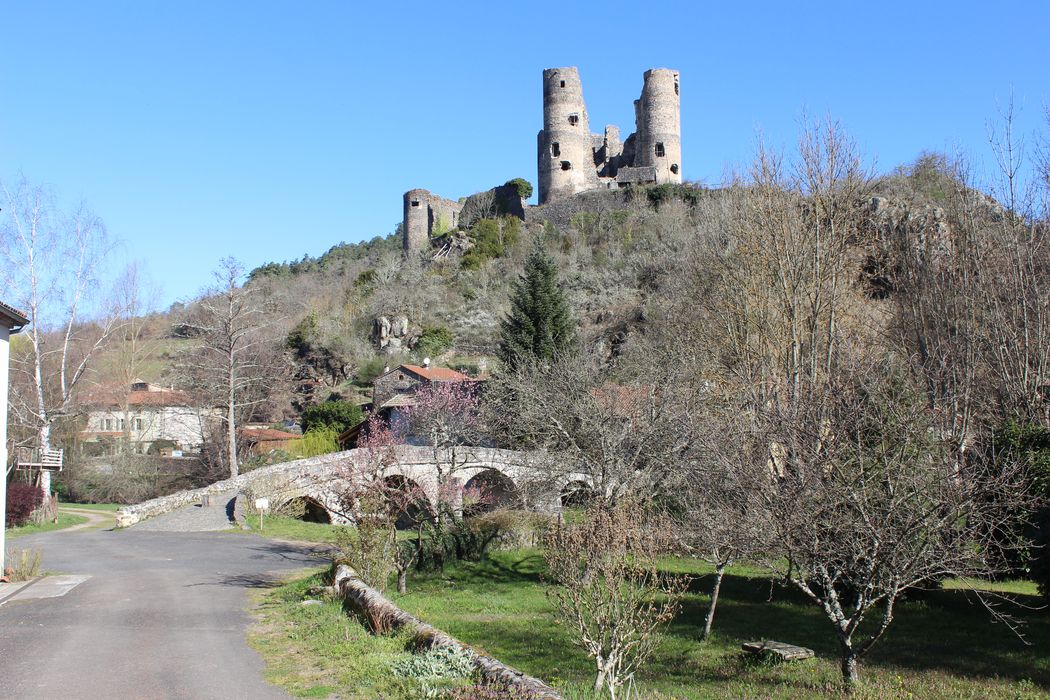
[(539, 325)]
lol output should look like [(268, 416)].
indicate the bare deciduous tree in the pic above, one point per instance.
[(610, 589), (53, 268), (236, 362)]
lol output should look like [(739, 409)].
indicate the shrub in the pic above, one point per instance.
[(331, 415), (523, 186), (437, 662), (369, 370), (22, 500), (318, 441), (24, 565), (434, 341), (492, 239)]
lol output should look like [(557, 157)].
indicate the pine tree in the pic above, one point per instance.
[(539, 325)]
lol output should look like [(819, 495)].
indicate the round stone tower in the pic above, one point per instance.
[(659, 134), (415, 231), (565, 149)]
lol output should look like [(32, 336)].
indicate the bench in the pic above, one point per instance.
[(777, 650)]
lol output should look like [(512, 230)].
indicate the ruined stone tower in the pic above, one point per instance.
[(570, 159), (566, 152), (424, 212), (659, 129)]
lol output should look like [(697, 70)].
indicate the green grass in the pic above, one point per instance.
[(109, 507), (283, 528), (317, 651), (942, 646), (64, 520)]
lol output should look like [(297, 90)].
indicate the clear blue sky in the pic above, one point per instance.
[(269, 130)]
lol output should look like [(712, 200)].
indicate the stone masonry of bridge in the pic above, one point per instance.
[(322, 479)]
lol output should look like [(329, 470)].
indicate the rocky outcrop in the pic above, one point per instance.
[(392, 334)]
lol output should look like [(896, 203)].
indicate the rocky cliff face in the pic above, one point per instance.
[(392, 334)]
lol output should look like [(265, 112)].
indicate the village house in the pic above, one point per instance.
[(262, 440), (395, 390), (145, 416)]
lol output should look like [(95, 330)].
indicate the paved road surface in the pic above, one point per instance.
[(163, 615)]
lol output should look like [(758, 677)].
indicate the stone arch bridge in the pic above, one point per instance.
[(323, 479)]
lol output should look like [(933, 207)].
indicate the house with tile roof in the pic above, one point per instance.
[(143, 415), (395, 390)]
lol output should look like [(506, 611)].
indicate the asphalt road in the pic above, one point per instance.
[(163, 615)]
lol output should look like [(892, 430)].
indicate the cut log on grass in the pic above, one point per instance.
[(383, 617), (777, 650)]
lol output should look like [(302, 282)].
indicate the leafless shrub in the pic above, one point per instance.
[(609, 589)]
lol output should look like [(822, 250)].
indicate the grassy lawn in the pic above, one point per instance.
[(109, 507), (941, 645), (316, 651), (283, 528), (64, 520)]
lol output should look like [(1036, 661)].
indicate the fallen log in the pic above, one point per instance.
[(382, 616)]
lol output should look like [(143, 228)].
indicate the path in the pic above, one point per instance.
[(161, 615), (96, 519)]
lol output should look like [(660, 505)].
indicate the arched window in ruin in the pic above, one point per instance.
[(674, 168), (660, 153), (574, 119), (566, 165), (555, 149)]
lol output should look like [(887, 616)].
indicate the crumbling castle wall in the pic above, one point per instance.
[(426, 214), (572, 160)]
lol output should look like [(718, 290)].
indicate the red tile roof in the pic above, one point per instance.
[(267, 434), (438, 374), (18, 318)]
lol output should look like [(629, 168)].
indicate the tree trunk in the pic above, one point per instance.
[(850, 675), (402, 581), (719, 573), (231, 426)]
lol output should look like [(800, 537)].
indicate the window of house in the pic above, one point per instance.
[(674, 168), (138, 424), (574, 119), (555, 149), (660, 150), (122, 424), (400, 377), (566, 165), (107, 424)]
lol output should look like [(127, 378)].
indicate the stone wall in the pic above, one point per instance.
[(423, 213)]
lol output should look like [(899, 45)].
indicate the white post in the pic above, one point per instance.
[(5, 335)]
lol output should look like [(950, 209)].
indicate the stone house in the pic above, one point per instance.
[(395, 389), (255, 441), (144, 415)]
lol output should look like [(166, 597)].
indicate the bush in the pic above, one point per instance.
[(318, 441), (434, 341), (331, 415), (492, 239), (437, 662), (369, 370), (22, 500), (523, 186), (24, 565)]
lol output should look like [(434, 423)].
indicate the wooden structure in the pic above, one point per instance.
[(36, 458)]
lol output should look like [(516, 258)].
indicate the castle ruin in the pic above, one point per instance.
[(570, 158)]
